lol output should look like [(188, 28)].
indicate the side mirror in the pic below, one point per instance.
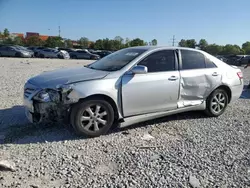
[(139, 69)]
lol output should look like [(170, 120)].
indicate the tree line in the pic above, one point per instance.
[(100, 44), (215, 49), (119, 43)]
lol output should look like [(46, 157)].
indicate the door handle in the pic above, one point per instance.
[(215, 74), (172, 78)]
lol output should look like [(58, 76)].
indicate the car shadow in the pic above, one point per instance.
[(246, 92), (16, 129)]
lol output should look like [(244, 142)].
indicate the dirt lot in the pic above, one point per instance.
[(185, 150)]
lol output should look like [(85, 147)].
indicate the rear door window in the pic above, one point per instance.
[(192, 60)]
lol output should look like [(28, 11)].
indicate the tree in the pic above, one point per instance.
[(127, 43), (6, 33), (214, 49), (53, 42), (183, 43), (84, 42), (18, 41), (91, 45), (230, 49), (137, 42), (119, 41), (191, 43), (203, 44), (98, 45), (154, 42), (68, 43), (34, 41), (246, 47)]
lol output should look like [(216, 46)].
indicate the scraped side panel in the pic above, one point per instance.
[(196, 85)]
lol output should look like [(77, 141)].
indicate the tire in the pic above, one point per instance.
[(41, 56), (18, 54), (0, 54), (218, 99), (85, 117), (74, 57)]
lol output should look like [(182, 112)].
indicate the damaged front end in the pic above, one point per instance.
[(49, 104)]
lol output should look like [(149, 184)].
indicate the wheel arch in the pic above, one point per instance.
[(106, 98), (227, 89)]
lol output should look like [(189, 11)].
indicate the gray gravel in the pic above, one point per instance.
[(185, 150)]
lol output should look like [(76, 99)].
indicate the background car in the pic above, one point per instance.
[(53, 53), (244, 60), (102, 53), (12, 51), (36, 50), (83, 54)]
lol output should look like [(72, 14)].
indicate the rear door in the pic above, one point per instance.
[(199, 76)]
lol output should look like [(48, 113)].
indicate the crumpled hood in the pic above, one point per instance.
[(51, 79)]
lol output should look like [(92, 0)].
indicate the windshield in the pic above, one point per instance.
[(117, 60)]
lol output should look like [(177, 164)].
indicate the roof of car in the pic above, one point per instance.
[(164, 47)]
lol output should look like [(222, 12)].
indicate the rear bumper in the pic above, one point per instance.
[(236, 92)]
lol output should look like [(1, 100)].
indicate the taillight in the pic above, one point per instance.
[(240, 75)]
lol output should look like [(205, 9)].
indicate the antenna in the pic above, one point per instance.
[(59, 30), (173, 41)]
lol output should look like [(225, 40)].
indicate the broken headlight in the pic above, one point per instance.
[(47, 96)]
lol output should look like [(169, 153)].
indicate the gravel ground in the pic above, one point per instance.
[(185, 150)]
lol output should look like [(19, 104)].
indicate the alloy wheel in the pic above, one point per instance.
[(218, 103), (94, 118)]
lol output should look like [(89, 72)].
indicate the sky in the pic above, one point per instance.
[(217, 21)]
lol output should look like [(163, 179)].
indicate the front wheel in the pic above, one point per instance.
[(216, 103), (92, 117)]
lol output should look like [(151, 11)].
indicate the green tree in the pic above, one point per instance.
[(191, 43), (118, 42), (91, 45), (8, 41), (214, 49), (6, 33), (127, 43), (137, 42), (18, 41), (203, 44), (84, 42), (246, 47), (183, 43), (99, 45), (230, 49), (68, 43), (34, 41), (53, 42), (154, 42)]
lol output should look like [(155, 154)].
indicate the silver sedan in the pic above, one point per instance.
[(133, 85)]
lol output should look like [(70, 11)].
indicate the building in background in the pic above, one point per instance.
[(30, 34)]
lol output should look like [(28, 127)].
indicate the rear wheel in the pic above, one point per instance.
[(216, 103), (41, 56), (92, 117)]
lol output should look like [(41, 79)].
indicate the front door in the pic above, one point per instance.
[(157, 90)]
